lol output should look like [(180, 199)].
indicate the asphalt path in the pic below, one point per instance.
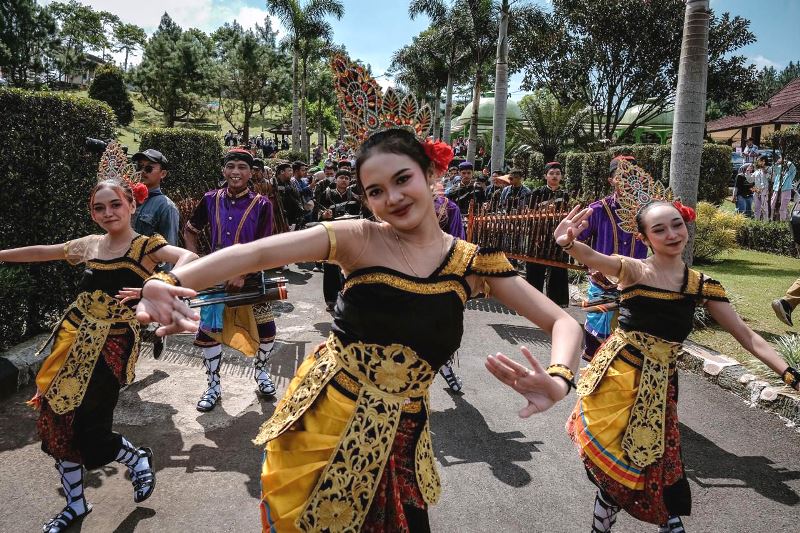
[(499, 472)]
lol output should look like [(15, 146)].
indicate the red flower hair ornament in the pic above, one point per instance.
[(687, 213), (440, 153), (140, 192)]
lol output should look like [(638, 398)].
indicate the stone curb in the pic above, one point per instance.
[(734, 377), (20, 364)]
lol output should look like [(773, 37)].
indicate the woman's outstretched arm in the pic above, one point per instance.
[(33, 254), (566, 234)]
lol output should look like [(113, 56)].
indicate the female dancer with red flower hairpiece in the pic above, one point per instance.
[(625, 423), (348, 447), (96, 346)]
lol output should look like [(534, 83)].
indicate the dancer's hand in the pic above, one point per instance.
[(572, 225), (127, 294), (538, 387), (235, 284), (161, 303)]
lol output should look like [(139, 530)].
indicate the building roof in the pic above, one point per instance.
[(782, 108)]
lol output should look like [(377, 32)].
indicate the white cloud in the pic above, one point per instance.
[(761, 62), (147, 13)]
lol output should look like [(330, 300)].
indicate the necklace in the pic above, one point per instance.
[(115, 252), (405, 258)]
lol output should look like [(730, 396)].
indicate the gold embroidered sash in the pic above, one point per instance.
[(643, 440), (389, 378), (64, 377)]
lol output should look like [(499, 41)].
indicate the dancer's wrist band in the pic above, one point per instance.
[(791, 376), (568, 246), (563, 372), (167, 277)]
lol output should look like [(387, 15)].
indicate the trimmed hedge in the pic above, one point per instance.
[(770, 237), (195, 159), (45, 178), (587, 173), (108, 85), (290, 155)]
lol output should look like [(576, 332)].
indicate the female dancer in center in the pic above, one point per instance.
[(625, 423), (348, 448)]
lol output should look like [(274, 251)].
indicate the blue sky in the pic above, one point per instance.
[(373, 29)]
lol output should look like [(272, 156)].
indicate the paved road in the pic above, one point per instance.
[(499, 473)]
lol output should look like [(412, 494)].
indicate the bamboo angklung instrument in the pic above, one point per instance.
[(522, 232)]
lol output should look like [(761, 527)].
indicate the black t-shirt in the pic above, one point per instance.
[(743, 187)]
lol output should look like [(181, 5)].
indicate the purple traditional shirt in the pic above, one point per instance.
[(604, 234), (238, 219), (449, 216)]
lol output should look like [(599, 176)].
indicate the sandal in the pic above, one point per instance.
[(63, 520), (143, 481)]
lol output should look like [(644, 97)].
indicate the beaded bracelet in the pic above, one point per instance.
[(791, 376), (563, 372), (167, 277)]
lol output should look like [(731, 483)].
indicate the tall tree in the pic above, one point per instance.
[(28, 34), (176, 71), (477, 29), (128, 37), (302, 22), (690, 104), (500, 91), (614, 55), (252, 73), (547, 126), (81, 28)]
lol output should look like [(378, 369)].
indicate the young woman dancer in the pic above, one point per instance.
[(625, 423), (95, 348), (348, 447)]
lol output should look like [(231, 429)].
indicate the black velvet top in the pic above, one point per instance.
[(111, 275), (667, 314), (379, 305)]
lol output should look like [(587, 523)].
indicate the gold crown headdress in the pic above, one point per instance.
[(114, 164), (635, 189), (367, 110)]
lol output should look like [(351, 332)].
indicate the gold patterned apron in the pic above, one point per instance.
[(65, 373), (643, 439), (388, 380)]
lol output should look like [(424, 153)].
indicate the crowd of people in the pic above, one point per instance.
[(348, 446), (764, 188)]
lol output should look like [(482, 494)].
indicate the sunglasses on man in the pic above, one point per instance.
[(147, 169)]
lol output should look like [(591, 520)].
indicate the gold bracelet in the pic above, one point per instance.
[(167, 277), (791, 377), (563, 372)]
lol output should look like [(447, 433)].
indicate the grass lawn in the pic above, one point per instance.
[(753, 280)]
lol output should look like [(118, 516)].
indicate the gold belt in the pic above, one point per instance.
[(98, 312), (643, 440)]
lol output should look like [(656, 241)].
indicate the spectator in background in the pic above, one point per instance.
[(783, 174), (750, 151), (761, 180), (743, 190), (158, 213)]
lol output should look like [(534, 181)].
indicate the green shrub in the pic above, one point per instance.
[(769, 237), (715, 232), (573, 171), (195, 159), (715, 173), (108, 86), (290, 155), (45, 178)]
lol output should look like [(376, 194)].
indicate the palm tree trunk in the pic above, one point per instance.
[(472, 146), (690, 105), (500, 93), (435, 108), (304, 112), (319, 121), (295, 104), (448, 108)]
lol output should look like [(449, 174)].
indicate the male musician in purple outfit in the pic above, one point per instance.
[(605, 236), (235, 215)]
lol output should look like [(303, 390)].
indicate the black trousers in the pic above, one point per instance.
[(97, 443), (332, 282), (557, 284)]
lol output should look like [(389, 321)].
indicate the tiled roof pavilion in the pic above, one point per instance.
[(782, 108)]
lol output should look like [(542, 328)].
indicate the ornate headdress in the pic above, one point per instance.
[(636, 189), (114, 164), (366, 109)]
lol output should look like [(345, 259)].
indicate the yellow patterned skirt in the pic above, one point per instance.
[(343, 455)]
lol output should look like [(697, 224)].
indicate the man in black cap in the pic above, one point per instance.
[(234, 215), (466, 191), (549, 194), (158, 213)]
